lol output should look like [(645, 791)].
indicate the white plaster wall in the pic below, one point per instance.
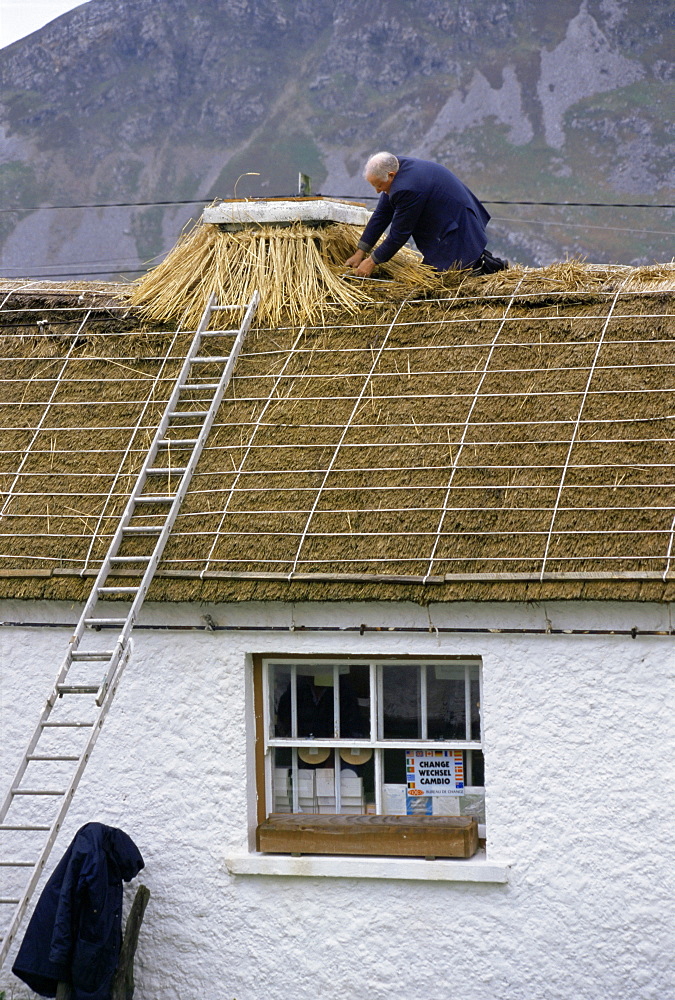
[(578, 733)]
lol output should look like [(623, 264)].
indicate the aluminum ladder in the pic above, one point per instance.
[(63, 740)]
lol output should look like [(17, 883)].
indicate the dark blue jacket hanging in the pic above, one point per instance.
[(74, 935), (426, 201)]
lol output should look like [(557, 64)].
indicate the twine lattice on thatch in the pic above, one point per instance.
[(503, 447), (299, 272)]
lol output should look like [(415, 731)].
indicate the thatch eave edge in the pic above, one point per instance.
[(173, 586)]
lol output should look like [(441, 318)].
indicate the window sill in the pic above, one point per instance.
[(475, 869)]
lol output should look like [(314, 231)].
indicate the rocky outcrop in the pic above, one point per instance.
[(582, 65), (126, 101)]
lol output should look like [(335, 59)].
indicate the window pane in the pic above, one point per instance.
[(401, 712), (475, 704), (357, 782), (394, 783), (473, 805), (354, 701), (282, 789), (446, 701), (316, 781), (397, 802), (316, 713), (474, 768), (280, 691)]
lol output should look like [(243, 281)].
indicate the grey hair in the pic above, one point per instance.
[(380, 165)]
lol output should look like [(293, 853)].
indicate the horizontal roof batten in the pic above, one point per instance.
[(16, 403), (346, 444), (407, 348), (370, 489), (450, 423), (527, 577), (170, 380), (209, 474)]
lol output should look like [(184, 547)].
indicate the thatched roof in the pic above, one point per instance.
[(509, 439)]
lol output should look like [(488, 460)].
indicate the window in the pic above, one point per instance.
[(346, 738)]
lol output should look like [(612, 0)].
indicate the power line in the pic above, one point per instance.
[(119, 261), (557, 204), (73, 274), (203, 201), (577, 225), (580, 204), (106, 204)]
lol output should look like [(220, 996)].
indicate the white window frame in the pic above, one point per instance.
[(375, 742)]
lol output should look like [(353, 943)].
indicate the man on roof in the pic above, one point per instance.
[(425, 201)]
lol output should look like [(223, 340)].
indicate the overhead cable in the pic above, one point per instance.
[(352, 197)]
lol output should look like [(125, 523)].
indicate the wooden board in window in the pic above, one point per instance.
[(401, 836)]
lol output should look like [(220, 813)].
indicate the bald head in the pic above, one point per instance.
[(380, 165), (380, 171)]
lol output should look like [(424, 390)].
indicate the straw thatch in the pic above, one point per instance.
[(299, 272), (474, 445)]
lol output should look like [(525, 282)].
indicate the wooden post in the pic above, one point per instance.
[(123, 980)]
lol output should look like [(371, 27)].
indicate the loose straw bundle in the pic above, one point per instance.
[(299, 272)]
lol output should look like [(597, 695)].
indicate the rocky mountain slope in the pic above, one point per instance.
[(133, 101)]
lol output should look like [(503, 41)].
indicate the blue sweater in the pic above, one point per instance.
[(426, 201)]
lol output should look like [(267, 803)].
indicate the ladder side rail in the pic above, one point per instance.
[(6, 943), (111, 671), (46, 712), (122, 651), (162, 538), (93, 598), (143, 475), (20, 771)]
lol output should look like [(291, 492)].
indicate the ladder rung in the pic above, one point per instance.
[(174, 442), (210, 359), (36, 791), (40, 756), (220, 333), (77, 688), (17, 864), (200, 385), (118, 590), (156, 498), (189, 413), (10, 902), (25, 827), (92, 654), (220, 308), (130, 559), (145, 529), (67, 725), (93, 622), (176, 471)]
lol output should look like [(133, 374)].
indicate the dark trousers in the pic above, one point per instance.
[(488, 264)]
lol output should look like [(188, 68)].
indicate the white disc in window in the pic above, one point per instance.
[(313, 755), (356, 756)]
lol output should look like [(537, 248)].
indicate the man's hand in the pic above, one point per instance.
[(362, 264), (365, 268), (355, 259)]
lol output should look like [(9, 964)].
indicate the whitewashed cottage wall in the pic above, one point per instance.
[(578, 734)]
